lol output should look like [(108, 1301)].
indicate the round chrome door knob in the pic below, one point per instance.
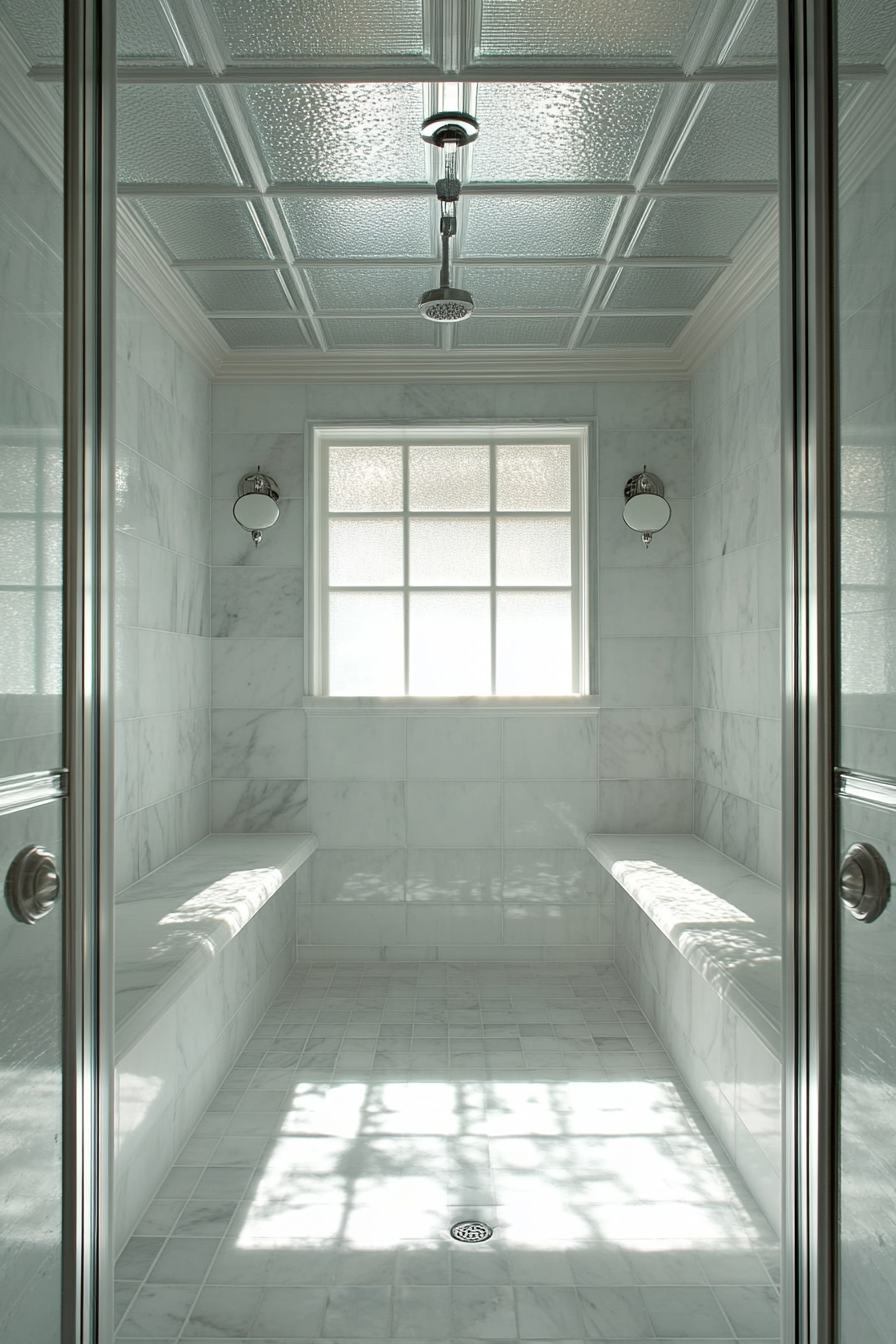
[(864, 883), (32, 884)]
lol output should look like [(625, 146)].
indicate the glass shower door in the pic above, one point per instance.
[(865, 746), (31, 752), (56, 488)]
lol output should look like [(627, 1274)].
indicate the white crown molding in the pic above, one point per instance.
[(143, 266), (33, 114), (752, 274), (469, 366), (867, 134), (868, 131)]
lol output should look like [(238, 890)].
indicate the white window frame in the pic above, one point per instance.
[(321, 438)]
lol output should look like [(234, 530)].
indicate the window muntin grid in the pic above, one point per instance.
[(421, 605)]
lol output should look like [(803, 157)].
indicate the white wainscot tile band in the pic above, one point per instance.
[(698, 938)]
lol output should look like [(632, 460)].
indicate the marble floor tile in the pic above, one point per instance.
[(377, 1103)]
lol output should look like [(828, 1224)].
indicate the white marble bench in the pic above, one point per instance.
[(201, 947), (698, 938)]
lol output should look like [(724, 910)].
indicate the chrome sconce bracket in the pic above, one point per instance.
[(646, 509), (257, 506)]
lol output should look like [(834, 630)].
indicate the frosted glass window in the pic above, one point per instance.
[(480, 534), (366, 644), (533, 644), (366, 554), (449, 478), (450, 644), (449, 551), (533, 477), (365, 480), (533, 551), (18, 620)]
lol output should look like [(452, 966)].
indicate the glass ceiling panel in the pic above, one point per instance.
[(615, 28), (636, 330), (246, 333), (734, 139), (142, 35), (866, 31), (537, 226), (585, 132), (655, 287), (697, 226), (339, 132), (203, 229), (285, 30), (759, 40), (336, 226), (232, 291), (502, 331), (370, 332), (369, 287), (164, 135), (526, 286)]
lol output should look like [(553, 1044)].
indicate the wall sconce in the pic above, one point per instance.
[(646, 509), (256, 507)]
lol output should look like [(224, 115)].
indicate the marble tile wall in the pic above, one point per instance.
[(163, 681), (737, 582), (453, 835)]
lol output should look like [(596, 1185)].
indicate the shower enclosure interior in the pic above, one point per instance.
[(387, 965)]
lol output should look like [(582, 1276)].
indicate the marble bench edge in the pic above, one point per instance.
[(143, 1015), (605, 847)]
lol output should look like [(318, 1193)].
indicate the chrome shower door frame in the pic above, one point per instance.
[(89, 450), (808, 123)]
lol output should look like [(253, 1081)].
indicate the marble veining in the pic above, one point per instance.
[(720, 916), (171, 923)]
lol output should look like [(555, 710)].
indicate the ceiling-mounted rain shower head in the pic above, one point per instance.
[(449, 131), (445, 304), (450, 128)]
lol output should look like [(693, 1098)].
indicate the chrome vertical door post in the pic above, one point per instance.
[(87, 684), (809, 421)]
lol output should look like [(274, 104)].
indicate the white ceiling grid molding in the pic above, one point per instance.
[(612, 113), (33, 115)]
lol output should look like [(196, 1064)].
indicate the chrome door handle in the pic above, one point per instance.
[(864, 883), (32, 884)]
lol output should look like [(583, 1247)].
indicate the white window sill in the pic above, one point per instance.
[(419, 706)]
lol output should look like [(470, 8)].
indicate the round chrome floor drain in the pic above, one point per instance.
[(471, 1231)]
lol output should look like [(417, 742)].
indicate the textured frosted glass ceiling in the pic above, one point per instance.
[(866, 31), (235, 291), (734, 138), (142, 31), (675, 287), (584, 131), (295, 181), (204, 228), (582, 28), (697, 226), (526, 286), (368, 286), (537, 226), (164, 134), (259, 333), (333, 226), (339, 132), (284, 28)]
